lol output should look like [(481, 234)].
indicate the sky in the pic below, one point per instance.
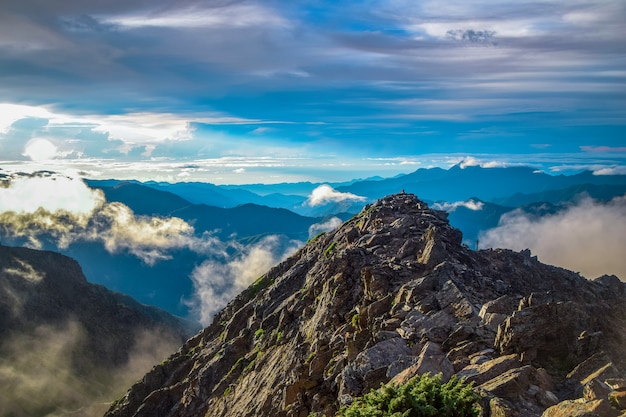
[(270, 91)]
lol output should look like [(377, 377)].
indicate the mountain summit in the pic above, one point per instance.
[(390, 294)]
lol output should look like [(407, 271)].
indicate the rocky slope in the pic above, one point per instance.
[(65, 343), (390, 294)]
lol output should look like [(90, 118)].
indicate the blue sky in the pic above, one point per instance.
[(269, 91)]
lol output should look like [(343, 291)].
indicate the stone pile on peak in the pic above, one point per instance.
[(390, 294)]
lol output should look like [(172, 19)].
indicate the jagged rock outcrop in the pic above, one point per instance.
[(390, 294), (65, 344)]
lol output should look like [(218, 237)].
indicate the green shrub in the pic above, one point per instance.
[(421, 396)]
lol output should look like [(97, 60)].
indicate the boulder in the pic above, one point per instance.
[(543, 331), (369, 369), (617, 384), (510, 384), (431, 360), (481, 373), (454, 302), (500, 408), (596, 367), (494, 312), (577, 408)]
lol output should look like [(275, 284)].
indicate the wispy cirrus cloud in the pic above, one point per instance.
[(603, 148), (203, 15)]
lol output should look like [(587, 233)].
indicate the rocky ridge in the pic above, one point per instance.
[(390, 294)]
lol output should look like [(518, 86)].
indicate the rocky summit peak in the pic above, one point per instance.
[(390, 294)]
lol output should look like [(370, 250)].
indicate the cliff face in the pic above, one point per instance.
[(66, 344), (390, 294)]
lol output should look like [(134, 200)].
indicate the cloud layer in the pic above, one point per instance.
[(589, 237), (26, 194), (38, 375), (53, 206), (75, 213), (216, 282), (327, 226)]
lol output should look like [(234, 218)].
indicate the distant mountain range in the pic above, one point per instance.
[(247, 213), (497, 190), (512, 186)]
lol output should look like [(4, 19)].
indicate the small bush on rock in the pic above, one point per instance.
[(421, 396)]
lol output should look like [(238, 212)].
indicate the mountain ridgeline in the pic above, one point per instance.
[(390, 294)]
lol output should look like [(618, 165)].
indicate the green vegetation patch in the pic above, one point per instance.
[(355, 321), (421, 396), (329, 250), (316, 237), (259, 333), (234, 368), (260, 284)]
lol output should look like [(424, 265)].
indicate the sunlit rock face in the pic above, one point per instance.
[(390, 294)]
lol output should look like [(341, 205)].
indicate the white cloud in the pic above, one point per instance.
[(11, 113), (326, 226), (236, 15), (325, 194), (470, 161), (616, 170), (148, 238), (40, 150), (68, 211), (216, 282), (132, 128), (449, 207), (589, 237), (27, 194)]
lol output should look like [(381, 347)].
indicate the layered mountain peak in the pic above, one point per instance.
[(390, 294)]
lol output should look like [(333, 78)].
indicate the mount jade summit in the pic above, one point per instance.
[(391, 294)]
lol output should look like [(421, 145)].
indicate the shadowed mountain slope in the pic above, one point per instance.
[(390, 294), (66, 344)]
